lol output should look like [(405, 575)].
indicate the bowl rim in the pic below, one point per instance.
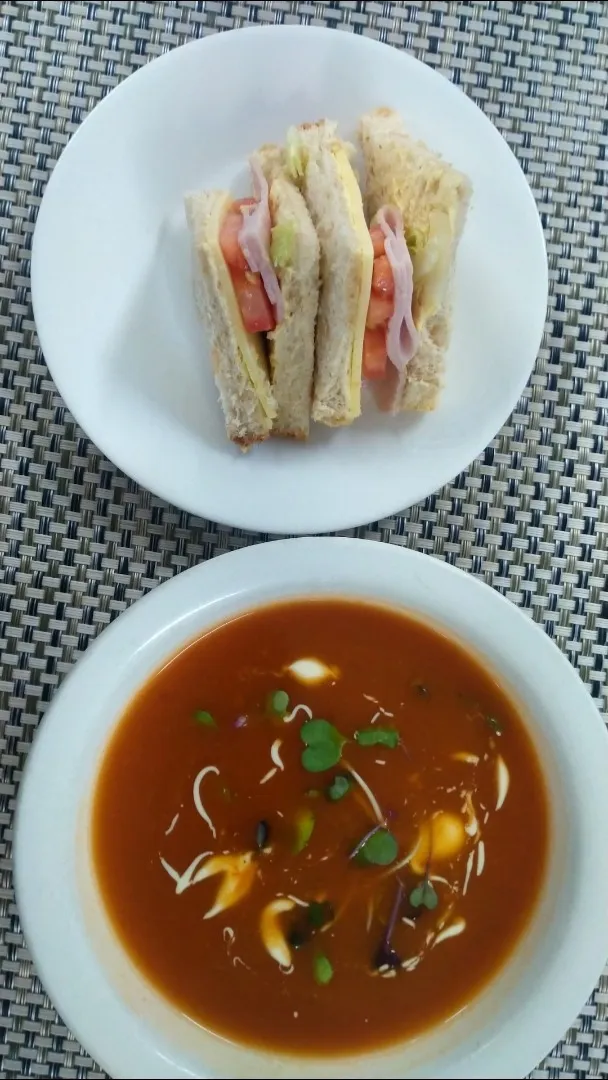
[(582, 946)]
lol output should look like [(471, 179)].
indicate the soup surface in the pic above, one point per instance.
[(320, 827)]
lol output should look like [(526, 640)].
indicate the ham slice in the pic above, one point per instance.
[(401, 335), (254, 238)]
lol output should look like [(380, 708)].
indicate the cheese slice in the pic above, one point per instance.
[(359, 224), (252, 356)]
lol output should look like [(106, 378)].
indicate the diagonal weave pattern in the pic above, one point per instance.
[(79, 542)]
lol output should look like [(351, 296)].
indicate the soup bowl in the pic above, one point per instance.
[(124, 1022)]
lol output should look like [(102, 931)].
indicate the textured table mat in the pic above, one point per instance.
[(79, 541)]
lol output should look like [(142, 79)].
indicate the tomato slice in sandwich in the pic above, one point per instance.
[(256, 309), (375, 358)]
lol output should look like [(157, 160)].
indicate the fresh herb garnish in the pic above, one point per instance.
[(314, 732), (493, 724), (278, 702), (262, 834), (339, 787), (323, 969), (204, 718), (386, 956), (305, 823), (319, 914), (377, 736), (424, 895), (321, 757), (378, 848), (323, 745)]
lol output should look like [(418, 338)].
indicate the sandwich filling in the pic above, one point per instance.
[(390, 333), (245, 242)]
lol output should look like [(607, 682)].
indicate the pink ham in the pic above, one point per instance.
[(401, 336), (254, 238)]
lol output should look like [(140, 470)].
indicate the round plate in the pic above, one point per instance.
[(121, 1020), (114, 303)]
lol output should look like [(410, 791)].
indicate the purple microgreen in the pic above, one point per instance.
[(299, 936), (262, 834), (424, 895), (386, 955), (320, 913)]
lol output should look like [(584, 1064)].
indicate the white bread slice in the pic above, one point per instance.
[(292, 344), (333, 197), (403, 172), (238, 358)]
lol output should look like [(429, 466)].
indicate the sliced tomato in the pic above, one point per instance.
[(382, 277), (377, 240), (256, 309), (379, 311), (229, 240), (375, 359)]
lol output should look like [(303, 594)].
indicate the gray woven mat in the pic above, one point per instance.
[(79, 542)]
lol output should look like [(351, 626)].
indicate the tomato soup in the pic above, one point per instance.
[(320, 828)]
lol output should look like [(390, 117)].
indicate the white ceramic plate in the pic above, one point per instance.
[(113, 298), (121, 1020)]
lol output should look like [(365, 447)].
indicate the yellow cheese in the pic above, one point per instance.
[(359, 224), (251, 349)]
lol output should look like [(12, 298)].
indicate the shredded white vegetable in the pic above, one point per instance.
[(481, 857), (294, 712), (453, 930), (275, 755), (172, 825), (269, 775), (468, 872), (503, 780), (196, 793), (373, 802), (170, 870)]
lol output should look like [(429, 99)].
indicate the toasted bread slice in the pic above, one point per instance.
[(295, 251), (433, 198), (332, 194), (238, 358)]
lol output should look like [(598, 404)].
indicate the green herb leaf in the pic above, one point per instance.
[(321, 756), (377, 736), (305, 823), (339, 787), (319, 914), (424, 895), (314, 732), (323, 970), (380, 849), (204, 718), (278, 702), (494, 724)]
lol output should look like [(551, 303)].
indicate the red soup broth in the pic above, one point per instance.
[(320, 887)]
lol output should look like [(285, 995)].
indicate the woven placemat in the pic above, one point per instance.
[(79, 541)]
